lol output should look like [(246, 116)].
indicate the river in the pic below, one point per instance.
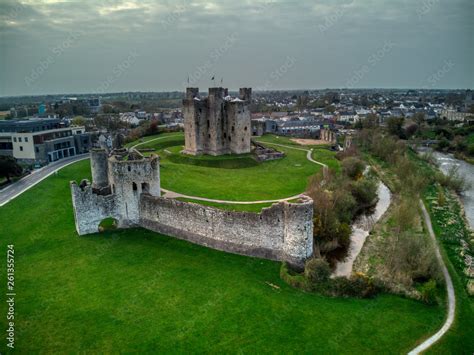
[(466, 170), (361, 229)]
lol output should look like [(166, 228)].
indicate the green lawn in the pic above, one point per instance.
[(254, 207), (138, 291), (460, 338), (233, 177)]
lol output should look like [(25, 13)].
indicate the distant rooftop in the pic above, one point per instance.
[(29, 125)]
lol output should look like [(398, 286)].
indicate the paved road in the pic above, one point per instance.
[(449, 286), (17, 188)]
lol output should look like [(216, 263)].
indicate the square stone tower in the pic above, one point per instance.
[(217, 124)]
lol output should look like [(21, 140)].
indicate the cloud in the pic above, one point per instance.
[(329, 39)]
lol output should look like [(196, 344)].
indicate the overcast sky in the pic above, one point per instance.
[(54, 46)]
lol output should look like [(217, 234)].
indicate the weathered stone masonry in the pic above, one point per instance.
[(217, 124), (283, 231), (127, 188)]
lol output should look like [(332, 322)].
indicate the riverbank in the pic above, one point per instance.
[(387, 248), (457, 242), (447, 162), (361, 229)]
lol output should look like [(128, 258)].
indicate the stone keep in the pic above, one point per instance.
[(126, 187), (217, 124)]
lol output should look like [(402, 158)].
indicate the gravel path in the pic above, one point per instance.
[(449, 286)]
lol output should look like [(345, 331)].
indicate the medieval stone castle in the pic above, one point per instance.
[(126, 186), (217, 124)]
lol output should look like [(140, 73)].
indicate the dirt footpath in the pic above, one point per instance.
[(309, 141)]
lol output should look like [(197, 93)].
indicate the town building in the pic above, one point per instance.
[(452, 114), (261, 126), (301, 128), (41, 141)]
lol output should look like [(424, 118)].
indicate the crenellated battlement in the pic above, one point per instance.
[(217, 124)]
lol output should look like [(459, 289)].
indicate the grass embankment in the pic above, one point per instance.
[(231, 177), (399, 251), (254, 207), (450, 228), (139, 291)]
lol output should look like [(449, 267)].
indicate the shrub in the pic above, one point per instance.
[(443, 144), (395, 126), (470, 149), (412, 257), (346, 205), (346, 153), (364, 191), (353, 167), (294, 280), (441, 196), (452, 180), (411, 130), (357, 286), (316, 277), (317, 271), (428, 292)]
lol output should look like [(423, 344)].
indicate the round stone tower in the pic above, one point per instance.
[(99, 168)]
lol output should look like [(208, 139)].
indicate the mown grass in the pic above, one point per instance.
[(255, 207), (449, 227), (235, 178), (138, 291)]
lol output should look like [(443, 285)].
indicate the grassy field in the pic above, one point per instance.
[(138, 291), (449, 227), (233, 177), (459, 339), (255, 207)]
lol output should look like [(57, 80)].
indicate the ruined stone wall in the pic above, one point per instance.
[(90, 208), (327, 135), (128, 179), (283, 231), (120, 197), (99, 168), (347, 142)]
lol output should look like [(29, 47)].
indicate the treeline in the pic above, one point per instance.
[(408, 255), (338, 198)]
